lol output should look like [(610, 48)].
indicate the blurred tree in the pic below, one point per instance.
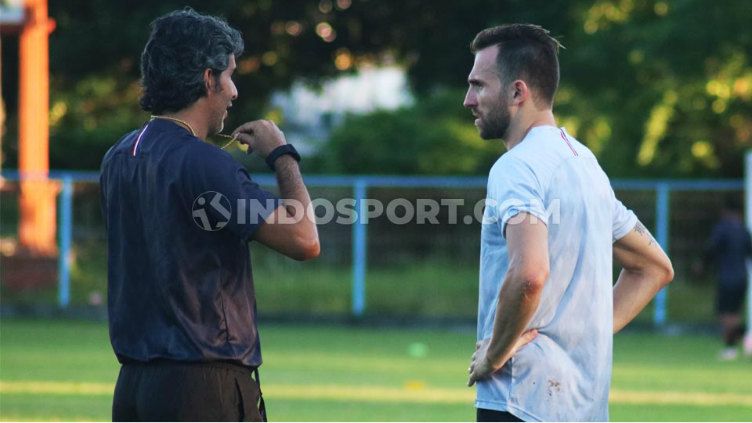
[(436, 136), (655, 88), (662, 88)]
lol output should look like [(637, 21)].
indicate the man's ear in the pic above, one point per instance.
[(519, 92), (209, 80)]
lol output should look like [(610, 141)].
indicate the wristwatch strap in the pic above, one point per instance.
[(281, 151)]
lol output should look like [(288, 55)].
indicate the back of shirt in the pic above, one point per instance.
[(180, 285), (564, 374)]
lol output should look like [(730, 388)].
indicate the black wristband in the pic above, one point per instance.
[(281, 151)]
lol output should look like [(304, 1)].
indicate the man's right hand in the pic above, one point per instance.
[(285, 231), (261, 136), (482, 366)]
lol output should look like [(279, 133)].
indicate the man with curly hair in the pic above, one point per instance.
[(180, 213)]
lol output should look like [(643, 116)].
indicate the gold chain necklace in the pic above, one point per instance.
[(188, 126)]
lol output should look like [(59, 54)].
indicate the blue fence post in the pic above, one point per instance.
[(663, 197), (66, 234), (359, 243)]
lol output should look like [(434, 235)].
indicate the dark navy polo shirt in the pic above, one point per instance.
[(179, 215)]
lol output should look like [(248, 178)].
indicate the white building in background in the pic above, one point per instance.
[(310, 114)]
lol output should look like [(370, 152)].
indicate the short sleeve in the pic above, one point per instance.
[(513, 188), (624, 220), (222, 189), (255, 203)]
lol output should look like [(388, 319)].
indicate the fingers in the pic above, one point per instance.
[(476, 375), (255, 125), (262, 136), (475, 357), (243, 137), (478, 352), (245, 128), (479, 370), (473, 376), (246, 140)]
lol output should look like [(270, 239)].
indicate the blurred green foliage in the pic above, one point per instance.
[(433, 137), (656, 88)]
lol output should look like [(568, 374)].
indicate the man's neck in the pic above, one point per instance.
[(192, 117), (517, 132)]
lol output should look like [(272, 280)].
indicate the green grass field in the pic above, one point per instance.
[(65, 370)]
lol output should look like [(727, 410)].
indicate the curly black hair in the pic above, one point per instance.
[(182, 45)]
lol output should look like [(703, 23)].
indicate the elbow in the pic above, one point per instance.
[(661, 273), (313, 250), (307, 249), (533, 281), (666, 273)]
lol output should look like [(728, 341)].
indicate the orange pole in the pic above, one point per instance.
[(37, 225)]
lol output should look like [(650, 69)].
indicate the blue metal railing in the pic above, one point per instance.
[(360, 185)]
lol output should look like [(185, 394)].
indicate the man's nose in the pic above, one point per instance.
[(469, 100)]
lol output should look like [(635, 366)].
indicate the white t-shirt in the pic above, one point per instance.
[(565, 373)]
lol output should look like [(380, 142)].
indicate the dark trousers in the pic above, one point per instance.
[(173, 391), (485, 415)]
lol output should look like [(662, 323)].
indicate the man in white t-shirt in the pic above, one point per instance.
[(547, 306)]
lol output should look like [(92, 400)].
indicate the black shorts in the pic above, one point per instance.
[(174, 391), (486, 415), (731, 298)]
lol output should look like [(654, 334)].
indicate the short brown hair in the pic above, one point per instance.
[(526, 52)]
